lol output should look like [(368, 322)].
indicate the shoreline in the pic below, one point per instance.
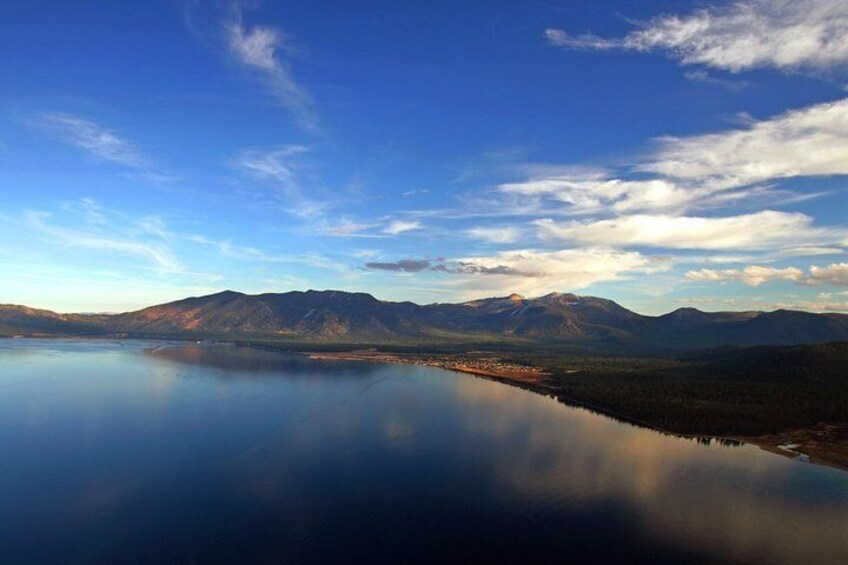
[(806, 443), (824, 444)]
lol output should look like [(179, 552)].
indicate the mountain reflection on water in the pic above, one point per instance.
[(133, 451)]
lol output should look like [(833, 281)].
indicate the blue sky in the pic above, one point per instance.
[(662, 154)]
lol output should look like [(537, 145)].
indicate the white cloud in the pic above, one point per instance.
[(781, 34), (805, 251), (708, 170), (258, 48), (154, 225), (759, 231), (254, 254), (754, 275), (400, 226), (349, 228), (835, 274), (759, 305), (93, 139), (415, 191), (561, 38), (276, 164), (812, 141), (704, 77), (159, 256), (533, 272), (282, 166), (595, 191), (495, 234)]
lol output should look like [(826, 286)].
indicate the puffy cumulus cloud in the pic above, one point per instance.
[(781, 34), (759, 231), (710, 170), (506, 234), (259, 50), (755, 275), (533, 272), (396, 227), (835, 274)]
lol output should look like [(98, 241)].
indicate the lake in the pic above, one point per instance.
[(133, 451)]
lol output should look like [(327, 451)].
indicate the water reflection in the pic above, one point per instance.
[(741, 504), (179, 453), (240, 360)]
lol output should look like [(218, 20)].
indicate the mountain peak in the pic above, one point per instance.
[(228, 292), (556, 318), (684, 311)]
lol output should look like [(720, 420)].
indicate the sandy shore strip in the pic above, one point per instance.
[(824, 445)]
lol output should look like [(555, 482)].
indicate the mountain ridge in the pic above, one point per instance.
[(357, 317)]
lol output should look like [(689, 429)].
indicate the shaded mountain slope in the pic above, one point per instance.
[(22, 320), (556, 319)]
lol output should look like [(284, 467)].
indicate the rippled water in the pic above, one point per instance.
[(117, 452)]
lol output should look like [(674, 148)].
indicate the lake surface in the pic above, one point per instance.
[(119, 452)]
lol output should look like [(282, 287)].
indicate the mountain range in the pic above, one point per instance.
[(556, 319)]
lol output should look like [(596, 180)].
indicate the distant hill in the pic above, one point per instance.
[(343, 317), (22, 320), (816, 363)]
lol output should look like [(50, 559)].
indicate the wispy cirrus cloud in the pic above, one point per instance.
[(737, 36), (704, 77), (99, 142), (283, 167), (92, 138), (348, 227), (278, 164), (159, 256), (262, 50), (396, 227), (256, 255)]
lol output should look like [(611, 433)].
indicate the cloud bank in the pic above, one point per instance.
[(835, 274)]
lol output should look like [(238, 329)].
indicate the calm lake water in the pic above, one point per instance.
[(120, 452)]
